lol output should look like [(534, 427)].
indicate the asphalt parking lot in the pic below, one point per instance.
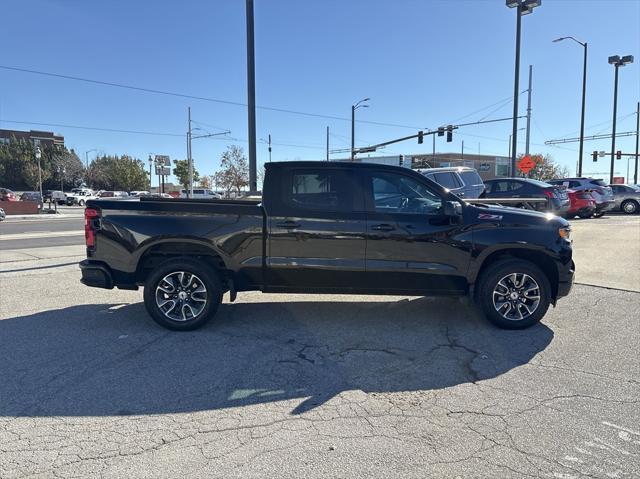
[(321, 386)]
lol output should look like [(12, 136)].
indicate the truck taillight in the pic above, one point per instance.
[(90, 215)]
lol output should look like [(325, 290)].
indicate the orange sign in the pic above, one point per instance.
[(526, 164)]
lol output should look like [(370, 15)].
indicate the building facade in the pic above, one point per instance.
[(34, 136)]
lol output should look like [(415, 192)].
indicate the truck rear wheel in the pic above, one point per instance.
[(514, 293), (182, 294)]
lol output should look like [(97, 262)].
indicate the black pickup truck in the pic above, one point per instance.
[(329, 227)]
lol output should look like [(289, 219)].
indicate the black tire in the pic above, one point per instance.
[(598, 214), (81, 203), (487, 285), (629, 207), (585, 216), (204, 276)]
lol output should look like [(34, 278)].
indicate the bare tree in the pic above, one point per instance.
[(234, 170)]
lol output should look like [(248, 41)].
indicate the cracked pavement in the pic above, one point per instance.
[(313, 386)]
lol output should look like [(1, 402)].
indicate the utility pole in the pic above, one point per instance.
[(463, 149), (635, 175), (38, 155), (353, 131), (516, 87), (269, 147), (327, 143), (189, 158), (433, 155), (528, 112), (251, 94)]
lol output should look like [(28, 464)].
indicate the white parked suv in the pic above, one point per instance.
[(200, 193)]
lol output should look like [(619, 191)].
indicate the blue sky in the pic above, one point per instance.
[(424, 63)]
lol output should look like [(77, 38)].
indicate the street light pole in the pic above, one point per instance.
[(584, 96), (523, 7), (150, 163), (354, 107), (617, 62), (251, 95), (635, 175), (38, 155)]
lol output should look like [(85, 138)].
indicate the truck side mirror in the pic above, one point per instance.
[(452, 208)]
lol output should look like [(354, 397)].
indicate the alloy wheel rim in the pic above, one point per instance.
[(181, 296), (516, 296), (629, 207)]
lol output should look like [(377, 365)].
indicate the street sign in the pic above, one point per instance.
[(485, 166), (163, 160), (526, 164), (618, 180), (163, 170)]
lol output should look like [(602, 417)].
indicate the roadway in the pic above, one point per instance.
[(41, 233)]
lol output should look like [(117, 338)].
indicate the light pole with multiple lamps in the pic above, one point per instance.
[(617, 62), (354, 107), (584, 93), (523, 7)]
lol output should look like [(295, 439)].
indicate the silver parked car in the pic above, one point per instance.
[(627, 198), (462, 181)]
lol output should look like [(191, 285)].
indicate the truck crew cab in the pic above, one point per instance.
[(329, 227)]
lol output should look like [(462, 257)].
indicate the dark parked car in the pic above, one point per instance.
[(7, 195), (2, 214), (627, 198), (602, 193), (324, 227), (558, 201), (34, 196)]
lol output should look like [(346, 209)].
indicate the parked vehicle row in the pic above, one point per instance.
[(568, 197)]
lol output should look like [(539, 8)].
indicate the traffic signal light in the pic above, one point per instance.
[(420, 137), (594, 155), (449, 134), (618, 155), (440, 131)]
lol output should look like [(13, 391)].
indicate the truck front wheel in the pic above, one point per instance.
[(514, 293), (182, 294)]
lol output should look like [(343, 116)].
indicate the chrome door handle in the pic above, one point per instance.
[(383, 227), (288, 224)]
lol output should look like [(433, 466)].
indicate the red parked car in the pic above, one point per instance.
[(7, 195), (582, 204)]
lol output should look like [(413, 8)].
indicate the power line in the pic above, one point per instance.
[(201, 98), (95, 128)]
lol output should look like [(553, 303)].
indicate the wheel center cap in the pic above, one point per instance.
[(513, 295), (182, 295)]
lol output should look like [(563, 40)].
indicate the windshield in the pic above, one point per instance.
[(598, 182)]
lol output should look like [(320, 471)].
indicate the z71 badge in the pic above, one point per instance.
[(487, 216)]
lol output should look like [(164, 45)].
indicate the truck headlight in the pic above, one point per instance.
[(565, 232)]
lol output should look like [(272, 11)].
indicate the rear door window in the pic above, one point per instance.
[(598, 183), (471, 178), (447, 179), (320, 189)]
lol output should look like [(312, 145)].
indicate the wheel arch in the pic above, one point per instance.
[(166, 249), (541, 259)]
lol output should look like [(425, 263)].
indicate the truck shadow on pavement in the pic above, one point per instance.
[(109, 360)]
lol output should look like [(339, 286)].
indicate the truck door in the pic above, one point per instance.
[(411, 245), (316, 231)]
